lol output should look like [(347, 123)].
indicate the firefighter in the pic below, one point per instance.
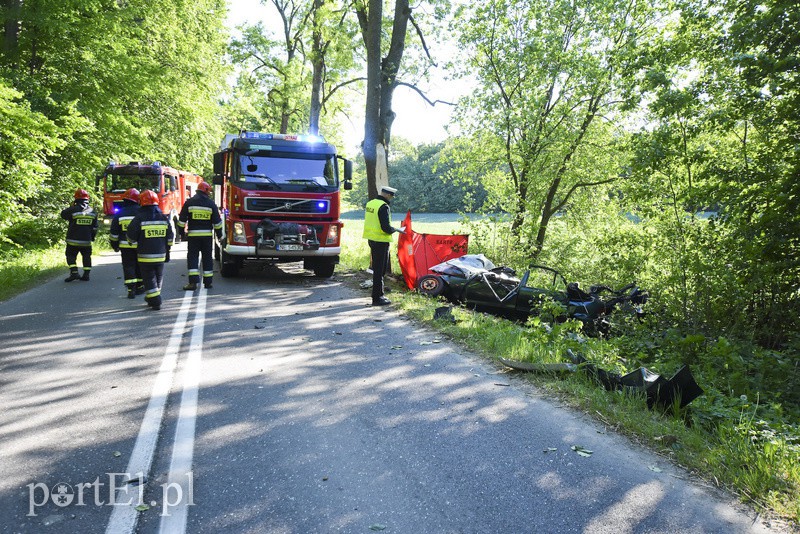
[(202, 216), (81, 232), (151, 232), (119, 242), (378, 232)]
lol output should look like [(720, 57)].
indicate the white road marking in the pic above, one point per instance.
[(124, 517), (177, 492)]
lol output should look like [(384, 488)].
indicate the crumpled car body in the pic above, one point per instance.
[(474, 281)]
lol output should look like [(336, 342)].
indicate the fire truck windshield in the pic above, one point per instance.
[(118, 183), (285, 170)]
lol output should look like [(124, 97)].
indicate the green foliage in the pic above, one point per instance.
[(547, 72), (761, 460), (27, 140), (424, 176), (112, 80), (38, 233)]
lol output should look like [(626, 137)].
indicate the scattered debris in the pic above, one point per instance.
[(582, 451), (664, 393), (444, 313)]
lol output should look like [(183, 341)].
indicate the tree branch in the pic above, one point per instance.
[(422, 39), (430, 102)]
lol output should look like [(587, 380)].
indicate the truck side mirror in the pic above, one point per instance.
[(217, 179), (348, 175), (219, 163)]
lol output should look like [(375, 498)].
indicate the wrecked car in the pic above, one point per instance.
[(475, 282)]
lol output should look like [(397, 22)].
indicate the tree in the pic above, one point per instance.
[(722, 134), (298, 80), (122, 80), (27, 140), (383, 64), (552, 80)]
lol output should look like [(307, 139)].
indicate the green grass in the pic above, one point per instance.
[(28, 269)]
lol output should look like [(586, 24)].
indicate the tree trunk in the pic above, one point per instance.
[(371, 29), (317, 65), (11, 27), (381, 81)]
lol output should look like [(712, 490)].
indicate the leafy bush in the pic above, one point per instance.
[(35, 233)]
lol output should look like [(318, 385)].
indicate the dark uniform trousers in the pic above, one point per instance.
[(379, 252), (197, 245), (152, 276), (130, 267), (72, 252)]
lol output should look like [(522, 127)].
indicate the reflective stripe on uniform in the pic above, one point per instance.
[(151, 258), (200, 233)]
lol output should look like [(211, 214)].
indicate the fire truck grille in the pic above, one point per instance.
[(287, 205)]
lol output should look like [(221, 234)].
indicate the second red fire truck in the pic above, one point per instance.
[(172, 186)]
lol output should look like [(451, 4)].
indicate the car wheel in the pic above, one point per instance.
[(431, 285)]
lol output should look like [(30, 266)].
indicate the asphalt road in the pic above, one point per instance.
[(280, 403)]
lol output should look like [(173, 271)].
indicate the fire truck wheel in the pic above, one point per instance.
[(324, 270), (430, 285), (228, 265)]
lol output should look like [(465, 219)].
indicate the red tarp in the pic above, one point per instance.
[(417, 253)]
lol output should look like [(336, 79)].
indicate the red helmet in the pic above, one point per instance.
[(131, 194), (204, 187), (81, 193), (148, 198)]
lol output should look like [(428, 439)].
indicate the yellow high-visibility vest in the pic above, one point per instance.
[(372, 225)]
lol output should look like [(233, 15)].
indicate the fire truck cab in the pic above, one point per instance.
[(279, 196)]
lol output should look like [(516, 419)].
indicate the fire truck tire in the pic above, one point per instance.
[(228, 265), (324, 270)]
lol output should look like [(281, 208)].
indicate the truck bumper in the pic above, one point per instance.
[(250, 252)]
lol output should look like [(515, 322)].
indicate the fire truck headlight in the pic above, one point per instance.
[(333, 235), (238, 235)]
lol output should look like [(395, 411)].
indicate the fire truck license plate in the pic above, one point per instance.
[(290, 247)]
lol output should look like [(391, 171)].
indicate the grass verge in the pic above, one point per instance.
[(22, 271)]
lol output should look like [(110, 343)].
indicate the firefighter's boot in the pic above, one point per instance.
[(154, 302), (73, 275), (139, 289), (85, 276), (191, 286), (131, 291)]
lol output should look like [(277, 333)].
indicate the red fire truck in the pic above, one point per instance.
[(280, 201), (172, 186)]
